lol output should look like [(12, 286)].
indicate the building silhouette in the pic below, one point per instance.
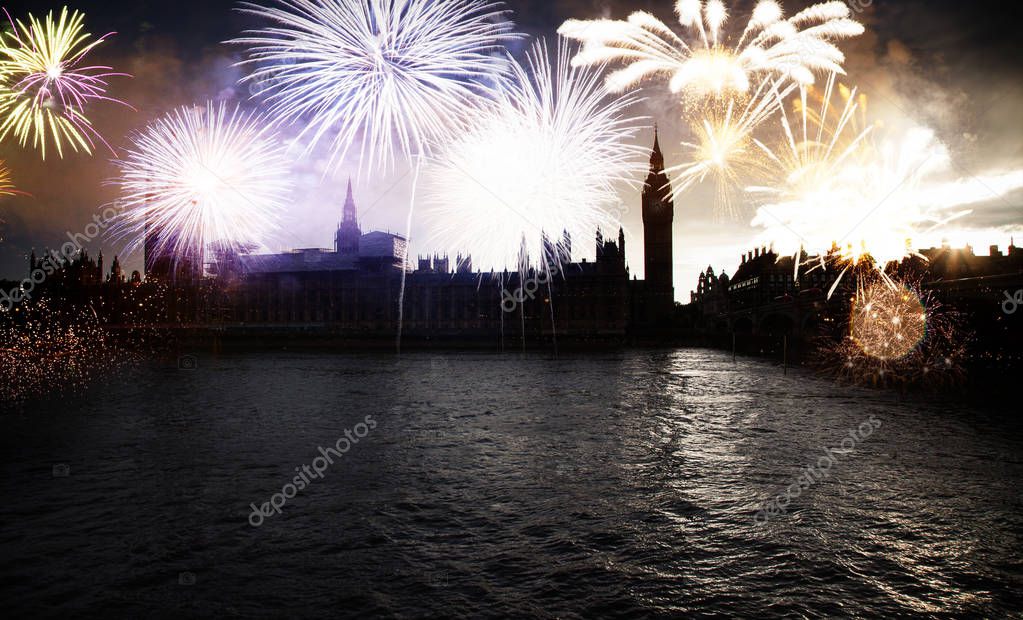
[(353, 289), (766, 296)]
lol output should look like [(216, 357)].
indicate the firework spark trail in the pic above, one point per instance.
[(544, 157), (46, 87), (405, 255), (202, 175), (705, 62), (402, 75)]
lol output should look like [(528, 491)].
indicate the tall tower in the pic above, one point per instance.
[(346, 241), (658, 215)]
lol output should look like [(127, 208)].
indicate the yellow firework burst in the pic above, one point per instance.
[(46, 85), (724, 150)]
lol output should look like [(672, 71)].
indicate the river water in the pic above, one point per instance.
[(483, 485)]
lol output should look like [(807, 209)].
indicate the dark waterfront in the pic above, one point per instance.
[(590, 486)]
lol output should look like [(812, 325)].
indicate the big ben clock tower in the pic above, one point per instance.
[(658, 215)]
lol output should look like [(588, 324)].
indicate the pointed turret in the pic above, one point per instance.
[(657, 184), (351, 212), (656, 157), (346, 241), (116, 273)]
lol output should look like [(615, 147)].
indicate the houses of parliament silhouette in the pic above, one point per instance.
[(353, 289)]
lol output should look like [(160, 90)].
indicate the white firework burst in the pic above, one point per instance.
[(704, 62), (543, 158), (202, 175), (724, 149), (394, 76)]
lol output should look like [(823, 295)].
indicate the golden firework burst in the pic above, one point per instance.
[(888, 320)]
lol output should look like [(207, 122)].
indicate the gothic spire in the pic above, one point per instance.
[(657, 183), (351, 212), (346, 240), (656, 157)]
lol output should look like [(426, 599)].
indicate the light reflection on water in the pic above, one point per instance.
[(590, 485)]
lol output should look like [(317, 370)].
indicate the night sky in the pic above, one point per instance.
[(950, 65)]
